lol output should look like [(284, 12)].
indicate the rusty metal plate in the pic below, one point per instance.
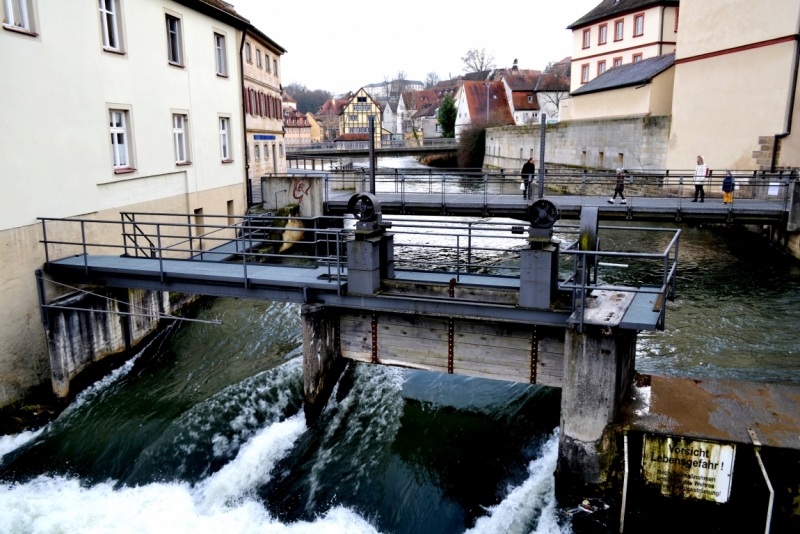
[(690, 469)]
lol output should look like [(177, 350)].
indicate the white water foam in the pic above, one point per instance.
[(531, 506), (222, 503), (370, 416), (12, 442)]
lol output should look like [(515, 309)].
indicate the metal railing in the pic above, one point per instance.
[(167, 237), (458, 248), (384, 144)]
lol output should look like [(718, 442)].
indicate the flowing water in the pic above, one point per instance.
[(204, 430)]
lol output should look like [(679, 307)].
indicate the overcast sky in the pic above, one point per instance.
[(341, 46)]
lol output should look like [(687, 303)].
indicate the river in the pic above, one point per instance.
[(204, 431)]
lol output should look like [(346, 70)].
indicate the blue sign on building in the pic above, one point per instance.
[(258, 137)]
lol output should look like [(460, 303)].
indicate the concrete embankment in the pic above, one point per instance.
[(77, 339)]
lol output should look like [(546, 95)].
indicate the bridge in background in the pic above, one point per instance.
[(759, 198), (357, 149)]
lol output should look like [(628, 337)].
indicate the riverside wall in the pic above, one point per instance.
[(635, 143)]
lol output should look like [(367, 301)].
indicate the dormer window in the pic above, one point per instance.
[(530, 100)]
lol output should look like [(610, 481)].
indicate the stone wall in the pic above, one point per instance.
[(636, 143)]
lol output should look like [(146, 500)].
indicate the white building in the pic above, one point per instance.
[(131, 105)]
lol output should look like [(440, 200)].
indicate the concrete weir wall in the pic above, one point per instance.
[(636, 143), (77, 339)]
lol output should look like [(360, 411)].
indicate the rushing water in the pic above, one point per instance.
[(204, 431)]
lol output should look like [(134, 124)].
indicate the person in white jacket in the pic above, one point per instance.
[(700, 173)]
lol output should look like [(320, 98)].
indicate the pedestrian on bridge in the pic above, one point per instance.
[(727, 188), (700, 173), (528, 171), (619, 188)]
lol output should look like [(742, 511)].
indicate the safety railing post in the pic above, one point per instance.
[(83, 242), (486, 193), (46, 247), (458, 258), (191, 243), (160, 253), (244, 252), (338, 264), (124, 235), (469, 248)]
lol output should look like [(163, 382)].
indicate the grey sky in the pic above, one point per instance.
[(340, 46)]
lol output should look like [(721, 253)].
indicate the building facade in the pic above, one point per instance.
[(148, 118), (298, 129), (263, 104), (749, 42), (354, 118), (482, 103), (617, 32)]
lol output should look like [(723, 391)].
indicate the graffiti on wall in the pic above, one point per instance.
[(301, 188)]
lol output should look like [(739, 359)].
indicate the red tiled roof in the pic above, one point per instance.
[(415, 99), (333, 107), (519, 82), (521, 102), (286, 97), (499, 110)]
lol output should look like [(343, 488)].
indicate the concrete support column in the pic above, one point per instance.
[(598, 369), (321, 363), (368, 260)]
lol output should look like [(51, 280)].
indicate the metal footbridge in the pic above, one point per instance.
[(435, 268), (759, 198)]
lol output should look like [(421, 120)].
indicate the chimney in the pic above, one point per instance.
[(515, 68)]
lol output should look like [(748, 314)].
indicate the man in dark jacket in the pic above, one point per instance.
[(528, 172)]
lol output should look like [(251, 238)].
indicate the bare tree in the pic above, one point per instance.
[(553, 87), (400, 83), (478, 60), (431, 80)]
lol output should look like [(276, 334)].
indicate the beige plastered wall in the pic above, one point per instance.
[(720, 116), (55, 93), (654, 99)]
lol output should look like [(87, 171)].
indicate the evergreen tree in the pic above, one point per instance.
[(447, 116)]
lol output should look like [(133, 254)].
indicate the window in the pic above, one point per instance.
[(352, 118), (530, 99), (677, 13), (600, 158), (231, 219), (438, 127), (119, 138), (266, 152), (255, 152), (266, 61), (219, 49), (174, 54), (601, 67), (258, 58), (584, 73), (619, 28), (637, 58), (108, 16), (224, 138), (587, 37), (275, 69), (16, 15), (361, 99), (638, 25), (248, 54), (179, 138), (280, 147), (617, 61), (602, 34)]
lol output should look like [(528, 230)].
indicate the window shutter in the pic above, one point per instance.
[(246, 100), (260, 105)]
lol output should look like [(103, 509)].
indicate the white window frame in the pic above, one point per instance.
[(180, 131), (638, 25), (109, 20), (220, 54), (602, 34), (22, 11), (118, 122), (174, 46), (225, 138)]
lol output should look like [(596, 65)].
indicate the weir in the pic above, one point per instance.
[(375, 293)]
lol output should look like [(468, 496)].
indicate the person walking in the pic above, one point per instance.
[(619, 188), (700, 172), (528, 171), (727, 188)]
